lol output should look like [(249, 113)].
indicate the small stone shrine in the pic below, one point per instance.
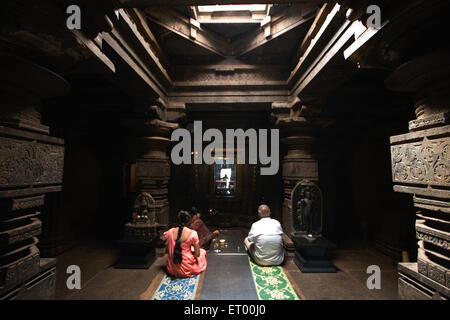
[(312, 250), (142, 235)]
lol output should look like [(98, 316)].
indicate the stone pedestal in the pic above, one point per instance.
[(313, 256), (137, 254), (421, 167), (312, 250), (31, 166), (138, 247)]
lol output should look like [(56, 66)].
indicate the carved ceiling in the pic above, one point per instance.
[(265, 34)]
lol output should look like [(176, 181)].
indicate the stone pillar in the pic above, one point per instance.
[(152, 175), (299, 126), (153, 165), (31, 168), (298, 132), (421, 167), (299, 163)]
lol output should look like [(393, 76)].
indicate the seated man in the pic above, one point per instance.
[(264, 241), (195, 223)]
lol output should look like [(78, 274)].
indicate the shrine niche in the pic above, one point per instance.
[(144, 209), (225, 179), (312, 250), (141, 235), (307, 209), (225, 191)]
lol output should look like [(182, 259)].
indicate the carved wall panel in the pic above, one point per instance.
[(426, 162), (25, 163), (233, 76)]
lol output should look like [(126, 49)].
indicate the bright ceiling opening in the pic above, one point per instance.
[(233, 13), (233, 7)]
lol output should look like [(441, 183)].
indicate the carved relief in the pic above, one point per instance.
[(144, 210), (426, 162), (436, 273), (29, 163), (307, 208), (429, 268), (431, 121), (432, 239), (422, 267), (20, 270), (235, 76)]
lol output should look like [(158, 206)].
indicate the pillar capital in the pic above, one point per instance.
[(427, 79), (24, 86), (176, 112)]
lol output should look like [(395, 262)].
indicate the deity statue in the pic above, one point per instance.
[(144, 209), (304, 212), (307, 209)]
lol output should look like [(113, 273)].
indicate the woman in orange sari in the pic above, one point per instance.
[(186, 258)]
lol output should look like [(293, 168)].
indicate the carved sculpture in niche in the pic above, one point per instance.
[(141, 235), (144, 209), (307, 209)]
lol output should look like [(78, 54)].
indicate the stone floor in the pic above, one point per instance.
[(349, 283), (101, 281)]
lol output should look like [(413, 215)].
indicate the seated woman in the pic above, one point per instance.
[(205, 236), (186, 258)]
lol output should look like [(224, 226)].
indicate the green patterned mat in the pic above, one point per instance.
[(272, 283)]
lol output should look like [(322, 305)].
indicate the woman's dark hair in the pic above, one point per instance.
[(194, 211), (183, 217)]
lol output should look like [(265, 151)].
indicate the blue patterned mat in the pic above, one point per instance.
[(176, 288)]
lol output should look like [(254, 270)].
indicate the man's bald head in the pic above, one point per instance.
[(263, 211)]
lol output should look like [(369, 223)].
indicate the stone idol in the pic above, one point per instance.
[(141, 235), (307, 209), (312, 250)]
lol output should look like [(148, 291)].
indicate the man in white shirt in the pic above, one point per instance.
[(264, 241)]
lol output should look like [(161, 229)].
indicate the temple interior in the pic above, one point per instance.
[(357, 92)]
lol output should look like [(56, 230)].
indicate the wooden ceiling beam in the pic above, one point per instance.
[(150, 36), (278, 25), (188, 29)]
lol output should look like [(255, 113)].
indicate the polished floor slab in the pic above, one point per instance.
[(229, 242), (228, 277)]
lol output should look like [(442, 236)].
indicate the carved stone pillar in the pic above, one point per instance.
[(153, 165), (31, 167), (421, 167), (298, 132), (152, 175), (299, 126)]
